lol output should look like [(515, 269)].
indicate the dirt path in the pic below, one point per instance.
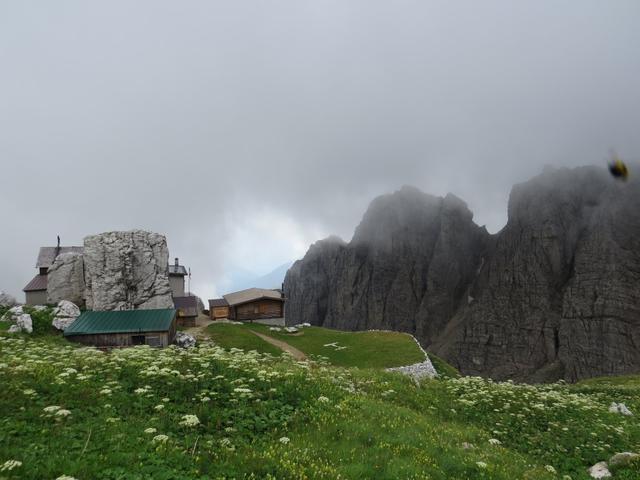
[(200, 330), (295, 353)]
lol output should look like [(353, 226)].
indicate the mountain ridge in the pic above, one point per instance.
[(549, 296)]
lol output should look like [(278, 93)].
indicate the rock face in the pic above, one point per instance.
[(126, 270), (552, 295), (65, 314), (7, 300), (65, 280)]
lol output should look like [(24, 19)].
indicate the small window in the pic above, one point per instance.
[(137, 339), (154, 341)]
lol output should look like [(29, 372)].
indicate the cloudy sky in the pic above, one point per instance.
[(245, 131)]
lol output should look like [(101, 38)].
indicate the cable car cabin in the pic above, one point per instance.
[(124, 328)]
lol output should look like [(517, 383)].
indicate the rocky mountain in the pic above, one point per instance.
[(553, 295)]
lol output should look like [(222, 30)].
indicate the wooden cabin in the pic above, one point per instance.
[(218, 309), (186, 310), (124, 328), (250, 304)]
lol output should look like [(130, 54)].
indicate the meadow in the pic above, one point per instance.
[(211, 412)]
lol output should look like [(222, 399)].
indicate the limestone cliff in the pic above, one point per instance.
[(552, 295)]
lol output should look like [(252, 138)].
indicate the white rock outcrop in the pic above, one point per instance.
[(185, 340), (417, 371), (126, 270), (7, 300), (23, 323), (12, 314), (599, 470), (623, 459), (620, 408), (65, 314), (65, 280)]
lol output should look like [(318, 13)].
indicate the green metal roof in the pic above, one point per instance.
[(121, 321)]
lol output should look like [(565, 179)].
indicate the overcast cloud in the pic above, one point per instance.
[(244, 131)]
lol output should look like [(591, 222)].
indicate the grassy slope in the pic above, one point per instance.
[(229, 335), (364, 349), (341, 423)]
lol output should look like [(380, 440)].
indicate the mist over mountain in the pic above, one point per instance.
[(242, 279), (552, 295)]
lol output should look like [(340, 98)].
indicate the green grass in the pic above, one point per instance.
[(363, 349), (229, 335), (262, 416), (4, 326), (444, 369), (372, 424)]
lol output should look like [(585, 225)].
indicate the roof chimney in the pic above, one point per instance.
[(177, 261)]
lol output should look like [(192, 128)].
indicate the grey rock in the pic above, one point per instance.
[(599, 470), (65, 314), (417, 371), (623, 459), (7, 300), (620, 408), (551, 296), (185, 340), (126, 270), (12, 314), (23, 323), (65, 280)]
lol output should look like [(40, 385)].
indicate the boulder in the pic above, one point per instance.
[(65, 280), (126, 270), (185, 340), (65, 314), (623, 459), (7, 300), (620, 408), (599, 470), (12, 314), (23, 323)]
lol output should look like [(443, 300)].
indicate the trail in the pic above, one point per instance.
[(295, 353)]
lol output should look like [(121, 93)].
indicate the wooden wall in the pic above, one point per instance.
[(154, 339), (219, 312), (264, 308)]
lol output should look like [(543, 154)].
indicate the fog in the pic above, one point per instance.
[(245, 131)]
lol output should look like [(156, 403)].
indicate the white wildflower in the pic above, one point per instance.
[(284, 440), (150, 430), (159, 407), (494, 441), (51, 409), (323, 399), (481, 465), (190, 421), (160, 439), (63, 413), (10, 465)]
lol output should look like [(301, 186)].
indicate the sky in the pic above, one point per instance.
[(245, 131)]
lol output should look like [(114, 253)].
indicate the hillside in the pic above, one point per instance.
[(214, 413), (551, 296)]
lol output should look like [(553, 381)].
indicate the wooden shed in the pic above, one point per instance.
[(124, 328), (255, 304), (218, 308), (186, 310)]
